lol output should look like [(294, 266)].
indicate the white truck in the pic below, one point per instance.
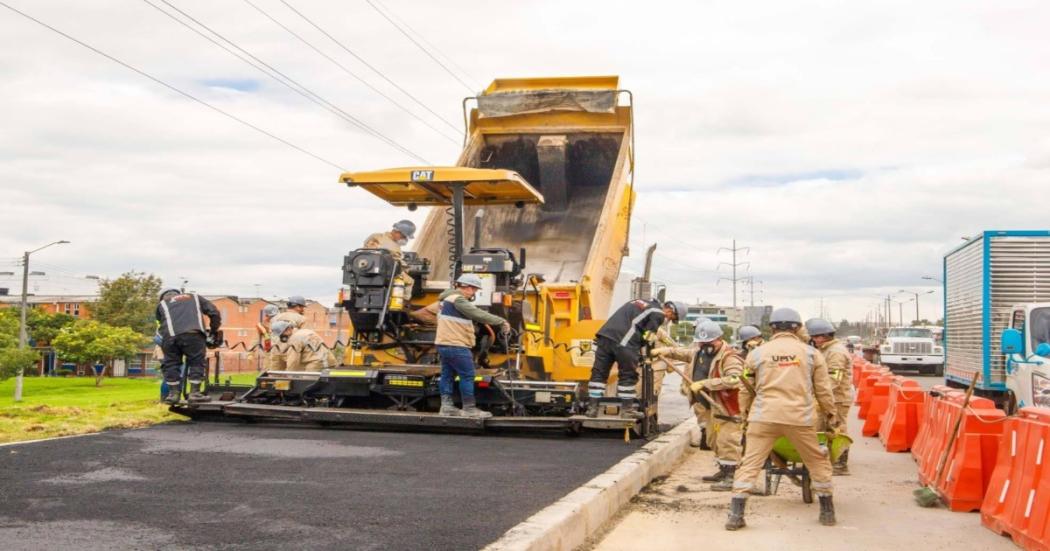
[(997, 316), (912, 348)]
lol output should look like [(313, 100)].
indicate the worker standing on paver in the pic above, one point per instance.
[(750, 338), (787, 376), (620, 341), (181, 328), (392, 241), (723, 366), (822, 335), (275, 359), (305, 349), (455, 339)]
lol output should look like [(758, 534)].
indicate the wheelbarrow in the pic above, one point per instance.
[(784, 460)]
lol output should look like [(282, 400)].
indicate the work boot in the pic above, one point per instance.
[(726, 483), (629, 410), (827, 511), (172, 397), (717, 477), (840, 467), (195, 393), (736, 514), (470, 409), (448, 408), (592, 407)]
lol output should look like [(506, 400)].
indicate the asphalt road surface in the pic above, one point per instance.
[(217, 485)]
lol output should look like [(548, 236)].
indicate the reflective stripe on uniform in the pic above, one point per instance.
[(634, 324), (200, 313), (756, 406), (167, 318), (809, 386)]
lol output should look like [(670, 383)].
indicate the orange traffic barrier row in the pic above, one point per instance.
[(899, 425), (1018, 499), (972, 456)]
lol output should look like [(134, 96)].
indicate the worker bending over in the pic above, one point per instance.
[(822, 336), (304, 348), (180, 318), (455, 341), (787, 376), (620, 341), (719, 367)]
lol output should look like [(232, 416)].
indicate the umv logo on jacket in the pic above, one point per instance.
[(786, 360)]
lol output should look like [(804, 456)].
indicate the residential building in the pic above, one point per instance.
[(74, 305)]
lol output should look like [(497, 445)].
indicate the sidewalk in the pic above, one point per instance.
[(874, 506)]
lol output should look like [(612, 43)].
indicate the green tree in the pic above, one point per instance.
[(43, 326), (13, 360), (128, 301), (89, 341), (8, 327)]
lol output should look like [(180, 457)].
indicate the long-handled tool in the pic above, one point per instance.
[(927, 496), (725, 416)]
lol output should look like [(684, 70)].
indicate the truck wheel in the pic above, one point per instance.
[(939, 370), (1010, 407), (925, 370)]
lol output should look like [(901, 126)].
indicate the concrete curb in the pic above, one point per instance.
[(568, 522)]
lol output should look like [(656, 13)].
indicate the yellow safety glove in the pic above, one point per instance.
[(698, 386)]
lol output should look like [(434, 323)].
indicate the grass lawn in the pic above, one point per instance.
[(67, 406)]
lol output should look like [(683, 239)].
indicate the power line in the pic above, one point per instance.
[(734, 265), (369, 65), (281, 77), (173, 88), (428, 43), (421, 47), (348, 71)]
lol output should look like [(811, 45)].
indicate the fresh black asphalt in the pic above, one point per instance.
[(237, 486), (221, 485)]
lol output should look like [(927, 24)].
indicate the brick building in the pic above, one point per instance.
[(77, 306)]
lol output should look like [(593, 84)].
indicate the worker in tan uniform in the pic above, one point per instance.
[(392, 241), (840, 364), (718, 388), (305, 350), (275, 359), (789, 380)]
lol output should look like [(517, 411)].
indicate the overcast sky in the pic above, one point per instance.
[(849, 145)]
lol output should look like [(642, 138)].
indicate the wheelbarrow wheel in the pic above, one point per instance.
[(807, 490)]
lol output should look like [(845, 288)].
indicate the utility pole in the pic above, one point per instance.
[(23, 333), (734, 264)]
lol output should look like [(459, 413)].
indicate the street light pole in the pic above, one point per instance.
[(917, 317), (23, 332)]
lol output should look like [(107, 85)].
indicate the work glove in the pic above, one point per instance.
[(505, 328), (650, 337), (696, 387), (834, 424), (684, 389), (661, 351)]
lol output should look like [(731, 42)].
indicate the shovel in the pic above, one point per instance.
[(927, 496)]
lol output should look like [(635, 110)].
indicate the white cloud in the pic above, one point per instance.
[(931, 119)]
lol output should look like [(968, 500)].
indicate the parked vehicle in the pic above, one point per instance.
[(912, 348), (997, 316)]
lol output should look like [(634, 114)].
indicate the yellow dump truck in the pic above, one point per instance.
[(543, 193)]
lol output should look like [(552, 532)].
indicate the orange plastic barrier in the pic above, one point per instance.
[(972, 457), (926, 424), (900, 423), (880, 399), (866, 391), (1018, 499)]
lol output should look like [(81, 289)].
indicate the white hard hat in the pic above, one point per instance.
[(469, 280), (817, 326), (707, 331)]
